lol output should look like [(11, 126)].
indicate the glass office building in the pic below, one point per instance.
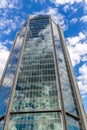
[(38, 88)]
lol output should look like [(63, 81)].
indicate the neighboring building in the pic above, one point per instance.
[(39, 79)]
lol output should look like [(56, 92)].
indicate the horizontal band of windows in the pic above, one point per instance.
[(26, 87), (38, 39), (39, 22), (43, 46), (43, 53), (39, 94), (39, 30), (37, 73), (40, 83), (35, 107), (35, 35), (37, 97), (36, 86), (37, 59), (36, 67), (42, 24), (36, 80), (38, 90), (36, 77)]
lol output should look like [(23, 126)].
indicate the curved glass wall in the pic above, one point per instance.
[(67, 91), (10, 73)]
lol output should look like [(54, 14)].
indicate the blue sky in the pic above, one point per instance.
[(70, 14)]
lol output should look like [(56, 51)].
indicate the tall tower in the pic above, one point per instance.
[(39, 80)]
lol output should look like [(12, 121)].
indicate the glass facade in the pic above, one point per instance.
[(42, 96), (36, 87), (1, 125), (36, 121), (10, 72), (72, 124), (8, 80), (66, 86)]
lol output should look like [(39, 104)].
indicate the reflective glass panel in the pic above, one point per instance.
[(68, 98), (35, 121), (1, 125), (10, 72), (72, 124), (36, 87)]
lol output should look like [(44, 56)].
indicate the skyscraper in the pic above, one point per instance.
[(39, 79)]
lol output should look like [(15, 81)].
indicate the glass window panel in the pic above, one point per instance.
[(72, 124), (35, 121), (1, 125)]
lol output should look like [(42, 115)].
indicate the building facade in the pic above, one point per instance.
[(39, 79)]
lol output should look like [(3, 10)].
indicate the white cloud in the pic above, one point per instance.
[(77, 51), (8, 25), (7, 42), (82, 79), (10, 4), (4, 53), (66, 8), (39, 1), (82, 36), (6, 4), (77, 47), (57, 17), (75, 57), (84, 58), (83, 18), (74, 40), (85, 1), (7, 31), (82, 86), (74, 20), (62, 2), (83, 70), (3, 3)]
